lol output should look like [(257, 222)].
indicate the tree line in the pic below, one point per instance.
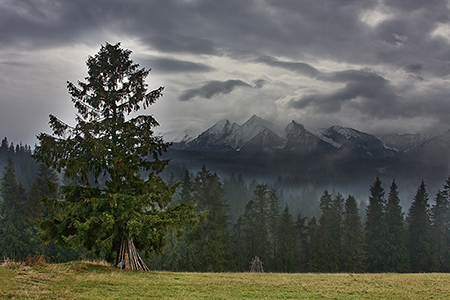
[(21, 210), (232, 233), (385, 240)]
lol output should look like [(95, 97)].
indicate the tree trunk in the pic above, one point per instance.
[(129, 258)]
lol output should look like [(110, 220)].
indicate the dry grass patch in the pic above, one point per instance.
[(97, 280)]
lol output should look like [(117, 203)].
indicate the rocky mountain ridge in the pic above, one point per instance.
[(261, 136), (334, 156)]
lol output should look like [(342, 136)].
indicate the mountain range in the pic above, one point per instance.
[(261, 136)]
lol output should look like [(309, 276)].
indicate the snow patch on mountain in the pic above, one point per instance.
[(348, 133), (178, 137), (259, 135), (403, 142), (322, 134), (252, 128)]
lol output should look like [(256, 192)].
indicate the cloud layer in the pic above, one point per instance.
[(376, 65)]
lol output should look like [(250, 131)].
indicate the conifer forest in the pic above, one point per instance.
[(242, 220)]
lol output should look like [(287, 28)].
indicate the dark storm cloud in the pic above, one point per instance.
[(299, 67), (411, 5), (213, 88), (170, 65), (407, 40), (328, 29), (373, 91), (47, 23), (176, 43), (336, 30), (259, 83), (413, 68)]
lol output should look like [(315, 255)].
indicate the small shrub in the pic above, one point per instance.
[(9, 263), (37, 260)]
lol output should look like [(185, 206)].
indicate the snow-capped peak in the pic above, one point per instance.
[(259, 135), (255, 124), (178, 137), (219, 126), (348, 133)]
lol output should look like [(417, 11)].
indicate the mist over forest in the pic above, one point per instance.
[(299, 180)]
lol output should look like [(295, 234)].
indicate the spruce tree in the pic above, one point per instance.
[(186, 189), (111, 209), (260, 199), (45, 185), (419, 232), (397, 259), (4, 146), (312, 231), (239, 246), (17, 235), (440, 230), (273, 222), (179, 254), (248, 233), (337, 219), (237, 195), (327, 253), (353, 254), (286, 243), (375, 229), (212, 237), (302, 254)]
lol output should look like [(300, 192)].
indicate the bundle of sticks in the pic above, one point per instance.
[(129, 258), (257, 265)]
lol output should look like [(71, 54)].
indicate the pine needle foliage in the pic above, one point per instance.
[(375, 229), (419, 232)]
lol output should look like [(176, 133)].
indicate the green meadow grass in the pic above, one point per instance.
[(87, 280)]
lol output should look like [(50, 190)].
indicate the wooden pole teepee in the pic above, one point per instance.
[(257, 265), (129, 258)]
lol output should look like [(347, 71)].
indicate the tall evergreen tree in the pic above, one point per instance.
[(327, 253), (179, 254), (212, 237), (375, 229), (260, 199), (4, 146), (237, 195), (240, 244), (17, 237), (336, 225), (397, 259), (286, 243), (253, 227), (129, 210), (186, 189), (419, 232), (273, 223), (440, 230), (249, 231), (45, 185), (353, 254), (313, 244), (301, 250)]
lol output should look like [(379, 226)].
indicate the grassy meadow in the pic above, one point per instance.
[(89, 280)]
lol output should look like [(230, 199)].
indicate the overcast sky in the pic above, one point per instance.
[(377, 66)]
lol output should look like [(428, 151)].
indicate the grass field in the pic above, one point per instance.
[(87, 280)]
